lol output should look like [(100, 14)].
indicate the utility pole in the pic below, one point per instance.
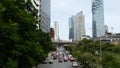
[(100, 58)]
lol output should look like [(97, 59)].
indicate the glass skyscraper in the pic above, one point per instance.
[(45, 15), (77, 26), (72, 27), (98, 28)]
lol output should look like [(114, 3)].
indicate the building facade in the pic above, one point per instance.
[(111, 38), (56, 31), (106, 29), (77, 26), (43, 8), (72, 23), (80, 25), (36, 4), (85, 37), (52, 34), (45, 15), (98, 28)]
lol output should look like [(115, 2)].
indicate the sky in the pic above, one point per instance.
[(61, 10)]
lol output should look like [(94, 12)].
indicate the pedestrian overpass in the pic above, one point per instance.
[(63, 43)]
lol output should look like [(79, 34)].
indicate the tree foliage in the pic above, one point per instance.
[(87, 53), (21, 44)]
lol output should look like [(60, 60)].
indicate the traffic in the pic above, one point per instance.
[(61, 56)]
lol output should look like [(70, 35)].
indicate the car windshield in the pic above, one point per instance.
[(74, 62)]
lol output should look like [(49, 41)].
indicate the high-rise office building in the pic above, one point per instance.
[(72, 22), (98, 28), (36, 4), (106, 29), (80, 25), (77, 26), (43, 7), (45, 15), (56, 31)]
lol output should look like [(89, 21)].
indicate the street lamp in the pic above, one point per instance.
[(100, 54)]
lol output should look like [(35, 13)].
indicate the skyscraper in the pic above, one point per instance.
[(56, 31), (80, 25), (72, 23), (36, 4), (43, 8), (98, 28), (45, 15), (77, 26), (106, 29)]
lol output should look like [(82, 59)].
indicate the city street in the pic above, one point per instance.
[(57, 64)]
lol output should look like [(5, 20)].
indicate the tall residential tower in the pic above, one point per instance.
[(98, 28), (80, 25), (77, 26)]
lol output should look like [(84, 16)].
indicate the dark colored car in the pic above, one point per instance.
[(60, 60), (55, 57), (45, 62)]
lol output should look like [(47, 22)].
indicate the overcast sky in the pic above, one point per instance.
[(61, 10)]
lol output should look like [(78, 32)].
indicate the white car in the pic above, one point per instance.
[(65, 59), (74, 64), (50, 61)]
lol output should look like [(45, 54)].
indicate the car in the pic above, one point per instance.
[(72, 59), (50, 61), (69, 57), (65, 59), (60, 60), (45, 62), (74, 64), (55, 57)]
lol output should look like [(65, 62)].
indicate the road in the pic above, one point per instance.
[(56, 64)]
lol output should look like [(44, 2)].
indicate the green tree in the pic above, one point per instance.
[(21, 44), (85, 51), (111, 60)]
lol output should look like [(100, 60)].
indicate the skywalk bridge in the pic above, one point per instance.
[(63, 43)]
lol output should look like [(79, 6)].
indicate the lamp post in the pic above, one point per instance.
[(100, 54)]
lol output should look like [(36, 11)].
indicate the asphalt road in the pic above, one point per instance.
[(56, 64)]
